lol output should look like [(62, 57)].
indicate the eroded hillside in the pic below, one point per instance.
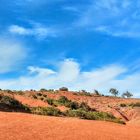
[(127, 110)]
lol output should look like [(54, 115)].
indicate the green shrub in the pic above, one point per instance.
[(127, 94), (11, 103), (50, 111), (74, 113), (39, 94), (85, 107), (8, 91), (72, 105), (135, 104), (51, 90), (68, 103), (63, 100), (43, 90), (123, 105), (100, 116), (34, 96), (117, 120), (44, 95), (50, 101), (42, 98), (84, 93), (63, 89), (20, 92), (97, 93), (90, 115)]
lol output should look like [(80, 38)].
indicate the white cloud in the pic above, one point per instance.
[(69, 71), (113, 17), (38, 31), (20, 30), (40, 71), (11, 54), (70, 75)]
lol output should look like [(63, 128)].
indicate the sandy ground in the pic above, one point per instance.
[(20, 126)]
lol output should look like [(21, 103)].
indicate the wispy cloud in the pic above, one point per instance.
[(71, 9), (12, 53), (40, 32), (113, 17), (70, 75)]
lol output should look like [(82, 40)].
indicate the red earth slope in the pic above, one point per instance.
[(20, 126)]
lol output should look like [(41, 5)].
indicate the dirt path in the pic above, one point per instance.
[(20, 126)]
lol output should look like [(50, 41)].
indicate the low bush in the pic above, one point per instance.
[(84, 93), (97, 93), (8, 91), (123, 105), (68, 103), (72, 105), (63, 100), (99, 116), (85, 107), (51, 90), (49, 101), (20, 92), (92, 115), (11, 103), (63, 89), (43, 90), (50, 111), (74, 113), (40, 96), (135, 104), (34, 96)]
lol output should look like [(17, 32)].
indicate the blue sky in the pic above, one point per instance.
[(79, 44)]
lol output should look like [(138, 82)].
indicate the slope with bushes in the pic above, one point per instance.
[(73, 104)]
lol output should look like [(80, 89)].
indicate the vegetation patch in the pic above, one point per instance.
[(64, 101), (123, 105), (130, 105), (50, 111), (92, 115), (83, 93), (51, 101), (63, 89), (20, 92), (9, 103), (135, 104), (39, 96)]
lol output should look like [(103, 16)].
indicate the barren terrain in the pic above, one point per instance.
[(20, 126)]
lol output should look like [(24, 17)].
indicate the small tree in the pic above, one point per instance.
[(127, 94), (114, 91), (63, 89), (43, 89), (96, 92), (83, 91)]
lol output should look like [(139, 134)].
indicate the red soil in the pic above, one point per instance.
[(62, 108), (20, 126), (30, 102)]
